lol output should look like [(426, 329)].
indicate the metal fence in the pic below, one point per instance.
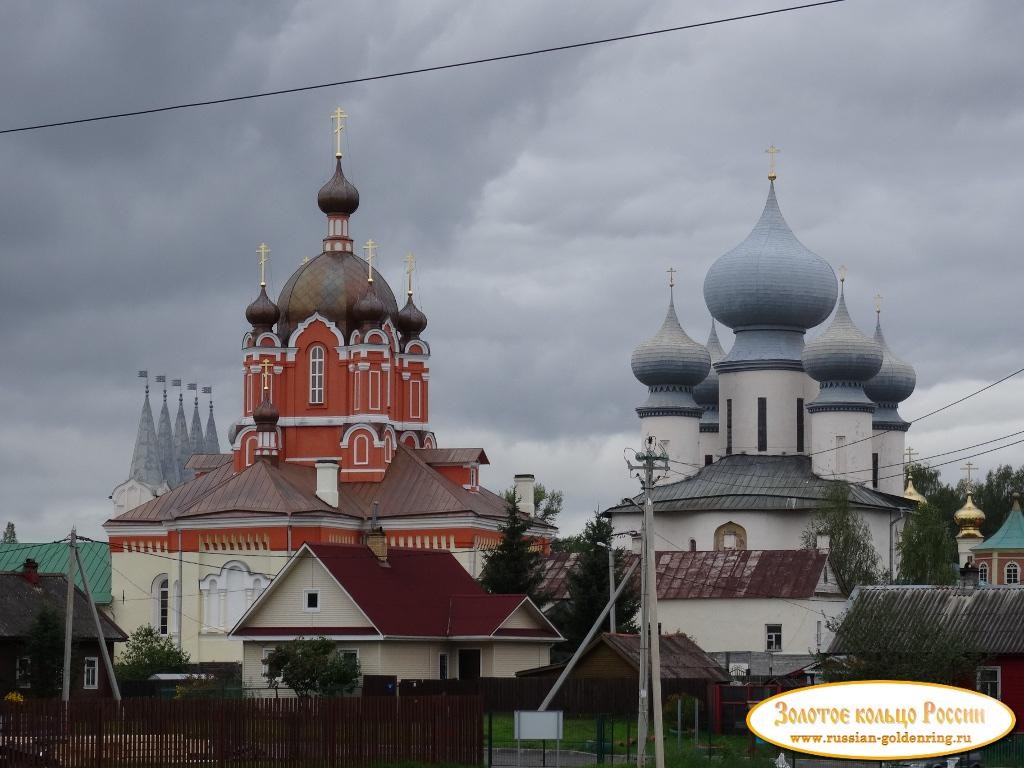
[(253, 732)]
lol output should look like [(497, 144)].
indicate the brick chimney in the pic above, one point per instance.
[(377, 541), (30, 570)]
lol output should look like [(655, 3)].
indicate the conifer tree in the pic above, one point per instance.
[(514, 566)]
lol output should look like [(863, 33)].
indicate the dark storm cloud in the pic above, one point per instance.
[(544, 199)]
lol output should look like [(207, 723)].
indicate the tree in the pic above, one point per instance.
[(852, 553), (313, 667), (547, 504), (588, 585), (44, 647), (927, 548), (573, 543), (146, 653), (9, 536), (885, 639), (514, 566)]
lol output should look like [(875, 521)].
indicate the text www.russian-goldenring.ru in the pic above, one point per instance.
[(903, 737)]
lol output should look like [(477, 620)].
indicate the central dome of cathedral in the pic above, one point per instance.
[(770, 279), (331, 284)]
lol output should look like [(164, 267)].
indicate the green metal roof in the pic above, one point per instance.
[(53, 558), (1009, 536)]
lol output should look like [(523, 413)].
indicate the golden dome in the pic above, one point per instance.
[(912, 493), (969, 519)]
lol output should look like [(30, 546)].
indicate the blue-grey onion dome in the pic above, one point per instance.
[(262, 313), (338, 195), (706, 393), (770, 279), (895, 380), (842, 353), (410, 320), (671, 357), (369, 310)]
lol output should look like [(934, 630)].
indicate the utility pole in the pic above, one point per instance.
[(650, 460), (611, 586), (100, 637), (69, 614)]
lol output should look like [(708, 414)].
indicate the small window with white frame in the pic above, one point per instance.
[(265, 666), (90, 673), (983, 572), (442, 666), (311, 600), (316, 375), (989, 681), (23, 672), (1011, 573), (773, 637)]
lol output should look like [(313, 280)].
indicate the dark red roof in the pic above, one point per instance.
[(780, 573), (290, 631), (417, 592)]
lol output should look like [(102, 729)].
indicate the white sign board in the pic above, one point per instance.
[(538, 725)]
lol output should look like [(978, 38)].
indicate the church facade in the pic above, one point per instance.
[(334, 443), (757, 437)]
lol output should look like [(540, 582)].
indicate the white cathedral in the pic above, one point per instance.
[(760, 434)]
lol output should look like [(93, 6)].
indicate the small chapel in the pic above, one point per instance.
[(757, 436), (334, 443)]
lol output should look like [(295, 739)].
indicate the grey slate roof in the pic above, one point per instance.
[(145, 460), (20, 601), (758, 483), (770, 279), (993, 617), (764, 664)]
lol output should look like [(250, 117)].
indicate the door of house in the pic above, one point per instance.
[(469, 664)]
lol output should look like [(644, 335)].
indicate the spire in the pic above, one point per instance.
[(145, 462), (212, 442), (410, 320), (197, 442), (338, 198), (165, 442), (182, 445)]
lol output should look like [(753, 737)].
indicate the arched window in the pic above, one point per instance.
[(361, 449), (693, 545), (316, 375), (983, 572), (161, 604), (1012, 573), (388, 447), (730, 536), (212, 595)]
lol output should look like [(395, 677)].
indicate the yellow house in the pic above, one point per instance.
[(408, 613)]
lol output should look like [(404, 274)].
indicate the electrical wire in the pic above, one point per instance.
[(417, 71)]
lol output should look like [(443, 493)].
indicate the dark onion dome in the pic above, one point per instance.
[(671, 357), (410, 320), (706, 393), (896, 379), (338, 195), (262, 313), (369, 311), (265, 415), (842, 353), (770, 279), (330, 284)]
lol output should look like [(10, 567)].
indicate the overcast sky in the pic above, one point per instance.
[(544, 197)]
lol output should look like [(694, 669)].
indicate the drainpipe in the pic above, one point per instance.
[(181, 590)]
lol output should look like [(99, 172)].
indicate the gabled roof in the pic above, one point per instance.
[(415, 593), (410, 487), (732, 573), (1010, 535), (53, 558), (204, 462), (459, 456), (992, 617), (20, 601), (768, 483)]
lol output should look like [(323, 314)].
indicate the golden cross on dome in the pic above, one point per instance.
[(263, 250), (842, 273), (772, 152), (910, 453), (671, 277), (371, 250), (266, 365), (878, 303), (339, 125), (969, 467), (410, 267)]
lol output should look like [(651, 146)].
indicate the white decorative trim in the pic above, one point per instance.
[(375, 441), (242, 432), (339, 421), (374, 332), (301, 327), (413, 357), (272, 336)]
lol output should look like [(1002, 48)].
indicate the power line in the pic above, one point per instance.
[(418, 71)]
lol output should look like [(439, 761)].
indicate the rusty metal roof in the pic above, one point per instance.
[(739, 573), (992, 616), (20, 601), (410, 487), (204, 462), (458, 456), (681, 658)]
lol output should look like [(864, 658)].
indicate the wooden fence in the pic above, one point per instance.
[(248, 732)]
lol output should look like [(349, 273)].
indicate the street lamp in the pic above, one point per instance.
[(611, 572)]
